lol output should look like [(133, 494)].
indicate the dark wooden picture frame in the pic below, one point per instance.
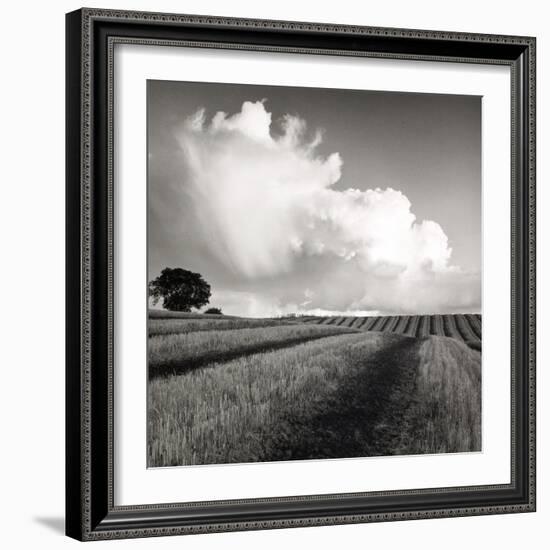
[(90, 510)]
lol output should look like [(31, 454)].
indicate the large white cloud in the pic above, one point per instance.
[(265, 201)]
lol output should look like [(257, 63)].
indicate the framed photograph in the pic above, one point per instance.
[(300, 274)]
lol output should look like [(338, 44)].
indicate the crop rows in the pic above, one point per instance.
[(466, 328)]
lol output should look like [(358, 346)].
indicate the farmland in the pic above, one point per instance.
[(228, 389), (465, 328), (182, 351)]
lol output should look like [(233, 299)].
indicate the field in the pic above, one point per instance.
[(227, 389), (465, 328)]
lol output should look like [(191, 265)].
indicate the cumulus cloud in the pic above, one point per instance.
[(266, 201)]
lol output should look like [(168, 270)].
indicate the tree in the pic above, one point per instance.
[(214, 311), (179, 289)]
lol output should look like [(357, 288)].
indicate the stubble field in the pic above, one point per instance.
[(227, 389)]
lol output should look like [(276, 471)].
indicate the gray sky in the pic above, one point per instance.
[(264, 214)]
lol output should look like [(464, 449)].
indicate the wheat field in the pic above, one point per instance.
[(228, 390)]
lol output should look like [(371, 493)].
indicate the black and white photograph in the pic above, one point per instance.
[(314, 273), (300, 277)]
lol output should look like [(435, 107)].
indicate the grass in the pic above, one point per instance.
[(412, 325), (228, 389), (183, 326), (346, 395), (437, 328), (447, 415), (424, 326), (465, 328), (401, 326), (291, 404), (173, 353), (466, 331), (475, 323), (165, 314)]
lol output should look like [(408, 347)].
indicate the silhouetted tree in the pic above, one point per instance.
[(214, 310), (179, 289)]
